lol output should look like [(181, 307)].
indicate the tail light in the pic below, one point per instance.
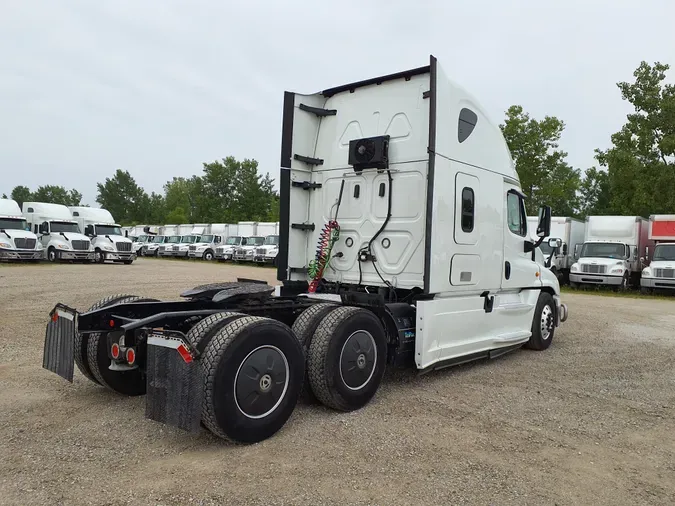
[(131, 356), (115, 351)]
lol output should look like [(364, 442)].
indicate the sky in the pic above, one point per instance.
[(157, 87)]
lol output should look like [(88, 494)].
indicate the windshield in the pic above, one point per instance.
[(603, 250), (174, 239), (189, 239), (272, 240), (158, 239), (108, 230), (206, 238), (13, 224), (235, 239), (62, 226), (255, 241), (664, 252)]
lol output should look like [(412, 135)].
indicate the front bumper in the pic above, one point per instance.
[(119, 257), (263, 259), (596, 279), (16, 254), (76, 255), (667, 283), (223, 256)]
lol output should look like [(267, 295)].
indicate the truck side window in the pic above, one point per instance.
[(467, 209), (516, 221)]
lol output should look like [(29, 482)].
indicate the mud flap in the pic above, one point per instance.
[(175, 386), (59, 351)]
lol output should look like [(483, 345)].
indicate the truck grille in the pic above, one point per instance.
[(123, 246), (162, 248), (24, 243), (193, 248), (220, 249), (594, 269), (260, 251), (664, 273), (81, 245)]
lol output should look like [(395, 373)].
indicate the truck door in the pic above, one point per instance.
[(519, 271)]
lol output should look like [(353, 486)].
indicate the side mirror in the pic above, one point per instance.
[(89, 230), (44, 228), (544, 226), (577, 247), (564, 251), (646, 251), (555, 243)]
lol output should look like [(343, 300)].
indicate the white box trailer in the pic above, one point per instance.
[(571, 233), (660, 274), (425, 260), (58, 232), (106, 236), (613, 252), (17, 241)]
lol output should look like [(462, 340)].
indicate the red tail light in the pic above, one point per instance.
[(131, 356), (185, 353), (115, 351)]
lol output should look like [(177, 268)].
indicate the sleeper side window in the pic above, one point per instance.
[(467, 209), (515, 214)]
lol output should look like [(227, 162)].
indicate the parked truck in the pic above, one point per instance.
[(429, 263), (660, 274), (237, 237), (106, 236), (213, 237), (559, 258), (613, 253), (59, 233), (267, 253), (17, 241), (246, 251)]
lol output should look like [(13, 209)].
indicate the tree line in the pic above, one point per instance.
[(635, 176), (228, 191)]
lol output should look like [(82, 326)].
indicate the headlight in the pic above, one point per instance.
[(63, 246), (5, 245), (108, 247), (617, 270), (647, 272), (574, 268)]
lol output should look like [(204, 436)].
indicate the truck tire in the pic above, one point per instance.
[(201, 334), (303, 328), (99, 256), (128, 262), (253, 370), (543, 323), (81, 341), (52, 254), (131, 382), (208, 255), (347, 357)]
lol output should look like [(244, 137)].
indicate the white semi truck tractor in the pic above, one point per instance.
[(403, 242), (106, 236), (17, 240), (60, 235)]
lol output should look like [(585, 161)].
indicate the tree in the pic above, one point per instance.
[(4, 196), (186, 194), (219, 191), (545, 176), (53, 195), (641, 164), (594, 193), (126, 201), (177, 216)]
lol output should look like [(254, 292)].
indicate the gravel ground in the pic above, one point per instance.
[(590, 421)]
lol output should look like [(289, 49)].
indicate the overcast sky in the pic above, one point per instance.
[(157, 87)]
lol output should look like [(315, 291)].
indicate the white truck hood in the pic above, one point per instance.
[(15, 233), (608, 262), (661, 264)]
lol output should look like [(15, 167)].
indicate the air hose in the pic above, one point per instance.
[(329, 235)]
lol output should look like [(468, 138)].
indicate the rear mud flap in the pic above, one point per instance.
[(175, 387), (59, 351)]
